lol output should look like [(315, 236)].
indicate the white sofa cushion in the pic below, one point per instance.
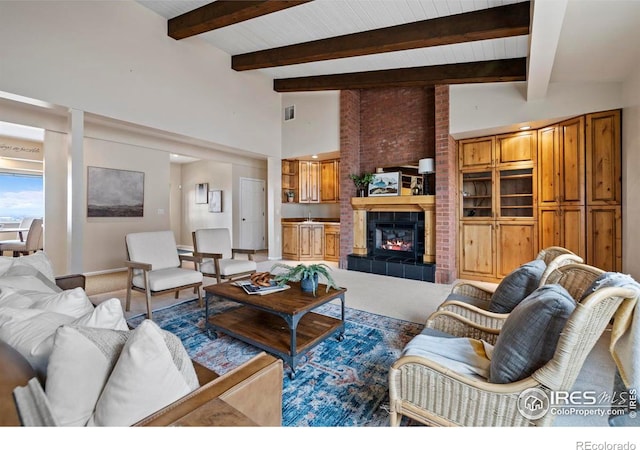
[(157, 248), (228, 266), (159, 280), (153, 371)]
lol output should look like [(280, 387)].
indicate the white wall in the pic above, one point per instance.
[(104, 237), (196, 216), (630, 167), (482, 109), (316, 127), (115, 59)]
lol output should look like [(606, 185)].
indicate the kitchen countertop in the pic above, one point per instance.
[(320, 220)]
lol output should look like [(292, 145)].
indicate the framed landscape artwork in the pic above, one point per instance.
[(385, 184), (114, 192)]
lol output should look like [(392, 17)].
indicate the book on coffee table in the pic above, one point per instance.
[(251, 288)]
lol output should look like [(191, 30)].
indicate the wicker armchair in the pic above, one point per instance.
[(465, 320), (554, 257), (435, 395)]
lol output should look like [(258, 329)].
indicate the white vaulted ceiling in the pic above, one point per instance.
[(591, 40)]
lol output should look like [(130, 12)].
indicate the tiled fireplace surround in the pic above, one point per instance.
[(389, 128)]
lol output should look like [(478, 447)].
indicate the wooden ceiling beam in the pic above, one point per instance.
[(499, 22), (474, 72), (222, 13)]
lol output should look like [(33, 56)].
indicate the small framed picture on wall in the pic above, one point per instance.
[(215, 201), (202, 191)]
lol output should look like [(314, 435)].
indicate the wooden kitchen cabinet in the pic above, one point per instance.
[(604, 181), (517, 243), (311, 242), (329, 181), (290, 241), (332, 242), (477, 250), (309, 182), (604, 237)]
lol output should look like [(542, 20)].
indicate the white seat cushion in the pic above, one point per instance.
[(160, 280), (228, 266)]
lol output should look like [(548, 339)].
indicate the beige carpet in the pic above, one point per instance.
[(393, 297)]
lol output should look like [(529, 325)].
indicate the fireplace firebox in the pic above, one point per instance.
[(399, 239)]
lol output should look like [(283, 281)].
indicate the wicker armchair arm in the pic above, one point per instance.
[(478, 326), (473, 290), (493, 404)]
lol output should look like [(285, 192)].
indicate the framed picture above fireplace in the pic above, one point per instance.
[(385, 184)]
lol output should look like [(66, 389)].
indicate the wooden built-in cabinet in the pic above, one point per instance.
[(305, 241), (497, 204), (311, 181), (557, 186)]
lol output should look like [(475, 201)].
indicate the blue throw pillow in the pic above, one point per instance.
[(530, 334), (516, 286)]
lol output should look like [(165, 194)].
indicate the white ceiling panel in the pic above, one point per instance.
[(595, 43)]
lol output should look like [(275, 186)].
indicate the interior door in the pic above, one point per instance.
[(252, 214)]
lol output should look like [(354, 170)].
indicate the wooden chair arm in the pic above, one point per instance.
[(138, 265), (207, 255), (191, 258)]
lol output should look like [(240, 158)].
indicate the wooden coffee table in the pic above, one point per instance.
[(281, 323)]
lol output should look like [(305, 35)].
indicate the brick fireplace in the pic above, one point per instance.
[(393, 127)]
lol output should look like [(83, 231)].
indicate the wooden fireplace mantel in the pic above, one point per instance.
[(401, 203)]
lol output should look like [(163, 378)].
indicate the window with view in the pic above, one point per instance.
[(21, 196)]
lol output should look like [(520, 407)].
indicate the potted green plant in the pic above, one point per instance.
[(362, 182), (306, 275), (290, 196)]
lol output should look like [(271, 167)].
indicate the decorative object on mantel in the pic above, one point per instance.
[(290, 196), (202, 191), (362, 182), (215, 201), (385, 184), (426, 167), (307, 275)]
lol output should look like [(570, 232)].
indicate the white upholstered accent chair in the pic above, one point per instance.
[(32, 242), (215, 257), (155, 267)]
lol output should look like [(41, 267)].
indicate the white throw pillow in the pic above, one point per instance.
[(39, 260), (80, 364), (107, 314), (145, 378), (72, 302)]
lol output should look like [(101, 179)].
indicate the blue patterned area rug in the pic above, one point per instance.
[(337, 383)]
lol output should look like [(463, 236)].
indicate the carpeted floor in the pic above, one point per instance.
[(338, 383)]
